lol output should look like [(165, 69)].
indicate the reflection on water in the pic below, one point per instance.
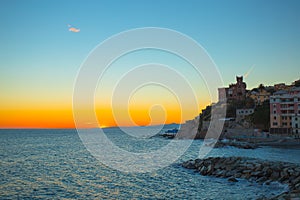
[(55, 164)]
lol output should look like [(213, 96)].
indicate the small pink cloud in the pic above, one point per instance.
[(73, 29)]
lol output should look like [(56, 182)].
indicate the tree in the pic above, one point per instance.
[(297, 83), (261, 87), (261, 116)]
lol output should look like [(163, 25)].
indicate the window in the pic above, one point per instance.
[(296, 125), (274, 123), (274, 117), (296, 118), (275, 111)]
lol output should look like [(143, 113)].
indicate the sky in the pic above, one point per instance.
[(44, 43)]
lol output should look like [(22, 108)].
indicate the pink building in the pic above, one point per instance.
[(285, 112)]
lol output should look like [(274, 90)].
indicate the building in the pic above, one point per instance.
[(259, 95), (241, 113), (280, 86), (285, 112), (235, 91)]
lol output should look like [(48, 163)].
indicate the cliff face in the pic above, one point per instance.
[(209, 124), (188, 130)]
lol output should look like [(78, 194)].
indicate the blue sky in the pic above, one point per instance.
[(237, 34), (38, 55)]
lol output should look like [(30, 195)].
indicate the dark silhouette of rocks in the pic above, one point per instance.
[(252, 169)]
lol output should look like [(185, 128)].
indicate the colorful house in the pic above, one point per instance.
[(285, 112)]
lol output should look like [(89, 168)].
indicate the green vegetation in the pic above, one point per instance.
[(261, 116), (297, 83), (233, 105)]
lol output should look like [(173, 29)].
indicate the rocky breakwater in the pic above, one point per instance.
[(252, 169)]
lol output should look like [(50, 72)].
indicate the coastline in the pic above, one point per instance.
[(251, 169), (287, 143)]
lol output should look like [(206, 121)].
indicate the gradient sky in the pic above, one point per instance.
[(40, 58)]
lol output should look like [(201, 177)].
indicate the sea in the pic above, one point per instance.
[(55, 164)]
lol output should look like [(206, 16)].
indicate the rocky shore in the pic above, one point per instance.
[(237, 144), (260, 171)]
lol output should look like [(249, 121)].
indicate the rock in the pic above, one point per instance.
[(246, 176), (275, 175), (209, 168), (250, 166), (268, 182), (257, 166), (232, 179), (295, 195), (203, 170), (257, 173), (229, 167), (189, 164), (284, 173), (230, 173), (282, 180), (220, 173), (237, 175), (206, 163), (291, 172), (276, 168), (296, 180), (262, 179), (267, 171), (218, 165), (247, 171), (198, 163)]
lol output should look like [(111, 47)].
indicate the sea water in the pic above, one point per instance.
[(54, 164)]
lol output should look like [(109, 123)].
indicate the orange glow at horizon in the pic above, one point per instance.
[(106, 116), (36, 119), (63, 118)]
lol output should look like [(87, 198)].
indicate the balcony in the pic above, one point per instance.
[(287, 114), (287, 108)]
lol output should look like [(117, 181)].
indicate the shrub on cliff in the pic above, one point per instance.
[(261, 116)]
